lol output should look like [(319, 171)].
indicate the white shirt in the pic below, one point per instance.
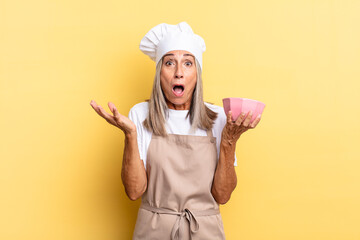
[(177, 123)]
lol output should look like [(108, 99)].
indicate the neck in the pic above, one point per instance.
[(185, 106)]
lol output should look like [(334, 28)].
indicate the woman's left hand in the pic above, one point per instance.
[(233, 129)]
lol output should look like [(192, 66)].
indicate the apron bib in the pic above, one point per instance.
[(178, 203)]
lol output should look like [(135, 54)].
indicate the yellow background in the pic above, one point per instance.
[(298, 171)]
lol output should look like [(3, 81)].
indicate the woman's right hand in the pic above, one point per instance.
[(118, 120)]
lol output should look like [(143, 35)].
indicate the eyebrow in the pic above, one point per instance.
[(171, 54)]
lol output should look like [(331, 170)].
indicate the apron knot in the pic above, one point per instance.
[(187, 214), (193, 224)]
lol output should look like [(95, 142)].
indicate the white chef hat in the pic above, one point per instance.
[(165, 37)]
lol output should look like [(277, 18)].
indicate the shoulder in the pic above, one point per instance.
[(217, 109), (220, 121), (214, 107), (140, 107), (139, 111)]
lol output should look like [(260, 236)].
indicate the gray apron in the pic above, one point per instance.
[(178, 203)]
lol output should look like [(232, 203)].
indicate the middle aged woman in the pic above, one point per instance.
[(179, 153)]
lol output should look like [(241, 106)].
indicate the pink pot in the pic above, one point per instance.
[(239, 105)]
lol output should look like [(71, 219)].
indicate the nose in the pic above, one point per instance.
[(179, 72)]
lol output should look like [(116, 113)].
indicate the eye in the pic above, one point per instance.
[(190, 63), (166, 63)]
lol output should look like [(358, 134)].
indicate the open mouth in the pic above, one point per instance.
[(178, 90)]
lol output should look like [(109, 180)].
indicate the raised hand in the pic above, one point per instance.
[(233, 129), (118, 120)]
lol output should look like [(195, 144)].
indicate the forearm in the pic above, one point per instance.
[(225, 176), (133, 172)]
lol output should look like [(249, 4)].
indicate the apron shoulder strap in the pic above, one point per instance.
[(209, 133)]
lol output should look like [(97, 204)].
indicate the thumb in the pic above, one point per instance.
[(228, 117)]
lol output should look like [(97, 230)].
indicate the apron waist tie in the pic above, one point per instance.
[(189, 215)]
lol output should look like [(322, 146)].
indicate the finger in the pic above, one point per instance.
[(94, 106), (116, 113), (228, 117), (256, 121), (92, 103), (114, 110), (247, 119), (98, 111), (106, 115), (240, 119), (111, 106)]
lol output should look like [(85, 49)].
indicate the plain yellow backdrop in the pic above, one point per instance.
[(298, 171)]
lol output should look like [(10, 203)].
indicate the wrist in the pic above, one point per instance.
[(227, 154), (131, 135), (228, 145)]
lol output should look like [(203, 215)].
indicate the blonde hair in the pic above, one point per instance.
[(200, 115)]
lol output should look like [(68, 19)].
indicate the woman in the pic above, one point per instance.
[(179, 152)]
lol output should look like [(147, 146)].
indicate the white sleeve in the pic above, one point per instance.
[(134, 117)]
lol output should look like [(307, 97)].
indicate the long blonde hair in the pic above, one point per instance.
[(200, 115)]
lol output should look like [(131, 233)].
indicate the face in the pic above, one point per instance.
[(178, 78)]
